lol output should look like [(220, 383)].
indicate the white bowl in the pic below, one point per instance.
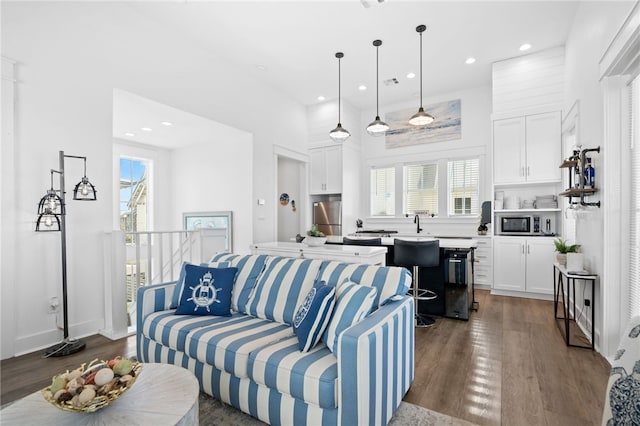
[(314, 241)]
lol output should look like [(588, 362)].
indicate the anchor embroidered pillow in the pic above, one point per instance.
[(206, 291)]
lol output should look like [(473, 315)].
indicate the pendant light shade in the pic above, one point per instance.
[(339, 134), (421, 118), (377, 126)]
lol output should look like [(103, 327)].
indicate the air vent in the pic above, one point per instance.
[(390, 81)]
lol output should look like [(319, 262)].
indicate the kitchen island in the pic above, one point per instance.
[(353, 254)]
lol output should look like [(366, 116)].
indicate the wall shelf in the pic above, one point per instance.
[(575, 164)]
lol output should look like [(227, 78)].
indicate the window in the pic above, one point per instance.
[(383, 197), (463, 178), (421, 188), (133, 195)]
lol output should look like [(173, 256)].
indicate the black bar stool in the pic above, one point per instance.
[(416, 254), (362, 241)]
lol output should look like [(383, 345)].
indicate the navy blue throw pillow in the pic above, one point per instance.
[(313, 315), (206, 291)]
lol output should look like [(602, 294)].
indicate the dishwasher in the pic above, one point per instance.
[(457, 283)]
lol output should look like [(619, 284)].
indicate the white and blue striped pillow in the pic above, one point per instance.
[(282, 287), (353, 304), (249, 269), (313, 315)]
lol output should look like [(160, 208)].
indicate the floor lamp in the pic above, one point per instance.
[(51, 218)]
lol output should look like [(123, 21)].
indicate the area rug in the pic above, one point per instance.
[(216, 413)]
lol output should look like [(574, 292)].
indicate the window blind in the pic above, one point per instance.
[(634, 225), (464, 184), (383, 192), (421, 188)]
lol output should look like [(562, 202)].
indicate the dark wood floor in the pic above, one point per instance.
[(507, 365)]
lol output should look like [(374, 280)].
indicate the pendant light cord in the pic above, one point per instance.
[(420, 69), (339, 119), (377, 84)]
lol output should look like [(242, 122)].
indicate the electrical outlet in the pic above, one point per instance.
[(54, 305), (587, 302)]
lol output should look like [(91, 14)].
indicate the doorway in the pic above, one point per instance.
[(292, 197)]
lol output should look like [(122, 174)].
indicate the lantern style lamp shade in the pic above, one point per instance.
[(48, 222), (84, 191)]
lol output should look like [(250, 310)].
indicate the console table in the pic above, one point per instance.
[(560, 275), (163, 395)]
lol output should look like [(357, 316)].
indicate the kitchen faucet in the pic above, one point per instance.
[(416, 220)]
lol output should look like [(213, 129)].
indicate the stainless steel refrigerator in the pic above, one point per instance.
[(328, 216)]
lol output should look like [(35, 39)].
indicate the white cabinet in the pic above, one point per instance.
[(483, 268), (527, 148), (326, 170), (523, 264)]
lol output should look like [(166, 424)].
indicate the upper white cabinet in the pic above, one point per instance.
[(326, 170), (526, 149)]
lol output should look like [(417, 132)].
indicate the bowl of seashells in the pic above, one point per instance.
[(85, 390)]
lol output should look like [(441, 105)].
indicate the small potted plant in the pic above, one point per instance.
[(482, 229), (563, 248), (315, 237)]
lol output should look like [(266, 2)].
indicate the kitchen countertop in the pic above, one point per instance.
[(334, 248), (460, 242)]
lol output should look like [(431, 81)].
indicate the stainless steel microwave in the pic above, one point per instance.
[(519, 225)]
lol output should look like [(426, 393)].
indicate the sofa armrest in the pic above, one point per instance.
[(376, 364), (152, 299)]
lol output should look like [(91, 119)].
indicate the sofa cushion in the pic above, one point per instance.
[(206, 291), (389, 281), (353, 304), (227, 345), (171, 330), (313, 315), (282, 287), (309, 376), (249, 269)]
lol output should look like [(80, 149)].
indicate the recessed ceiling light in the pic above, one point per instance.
[(524, 47), (261, 67), (411, 75), (470, 60), (129, 134), (321, 98), (146, 129), (362, 87), (166, 123)]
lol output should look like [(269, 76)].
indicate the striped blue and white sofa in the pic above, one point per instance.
[(251, 360)]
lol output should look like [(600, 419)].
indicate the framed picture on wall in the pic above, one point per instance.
[(210, 220)]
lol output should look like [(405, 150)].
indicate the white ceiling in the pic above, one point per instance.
[(295, 41)]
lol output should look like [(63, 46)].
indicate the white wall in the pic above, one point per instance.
[(70, 58), (594, 26), (208, 177), (475, 140)]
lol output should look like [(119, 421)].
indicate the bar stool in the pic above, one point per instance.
[(362, 241), (416, 254)]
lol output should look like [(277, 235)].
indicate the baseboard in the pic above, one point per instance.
[(38, 341), (538, 296)]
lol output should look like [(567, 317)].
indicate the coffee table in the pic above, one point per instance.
[(163, 395)]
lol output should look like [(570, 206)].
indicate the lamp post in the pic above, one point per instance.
[(52, 217)]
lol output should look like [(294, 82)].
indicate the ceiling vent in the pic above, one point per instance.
[(391, 81)]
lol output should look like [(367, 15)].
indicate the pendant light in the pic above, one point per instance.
[(421, 118), (339, 134), (377, 126)]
